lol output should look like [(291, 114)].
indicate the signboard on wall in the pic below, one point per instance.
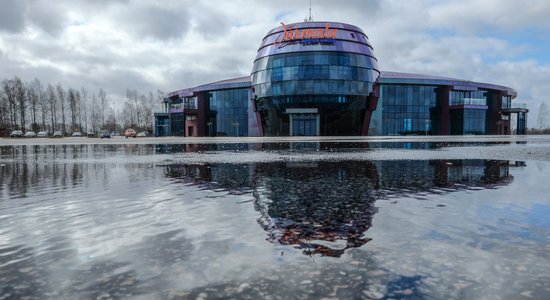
[(306, 36)]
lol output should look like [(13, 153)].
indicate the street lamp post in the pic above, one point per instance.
[(236, 124), (209, 123)]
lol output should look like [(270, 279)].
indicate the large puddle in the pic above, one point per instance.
[(280, 221)]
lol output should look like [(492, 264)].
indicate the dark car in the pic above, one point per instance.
[(104, 134), (16, 133)]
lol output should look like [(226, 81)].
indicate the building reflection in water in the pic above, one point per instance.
[(320, 207), (327, 207)]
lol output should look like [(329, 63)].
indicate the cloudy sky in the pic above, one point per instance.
[(162, 45)]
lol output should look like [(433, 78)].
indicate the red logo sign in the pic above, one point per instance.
[(307, 35)]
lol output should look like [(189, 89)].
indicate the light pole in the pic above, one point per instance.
[(236, 124), (209, 123)]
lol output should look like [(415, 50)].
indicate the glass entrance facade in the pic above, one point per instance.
[(304, 124)]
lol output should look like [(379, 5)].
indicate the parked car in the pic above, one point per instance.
[(129, 133), (90, 133), (16, 133), (142, 134), (57, 134), (42, 134), (77, 134), (104, 134), (114, 133), (30, 134)]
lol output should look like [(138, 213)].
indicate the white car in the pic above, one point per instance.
[(77, 134), (42, 134), (30, 134)]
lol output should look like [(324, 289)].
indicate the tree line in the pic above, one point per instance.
[(33, 106), (542, 122)]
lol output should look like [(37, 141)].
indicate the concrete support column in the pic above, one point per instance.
[(371, 106), (494, 107), (443, 96), (202, 108)]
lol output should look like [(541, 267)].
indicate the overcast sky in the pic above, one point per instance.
[(162, 45)]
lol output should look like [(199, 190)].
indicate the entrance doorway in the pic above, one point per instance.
[(303, 121)]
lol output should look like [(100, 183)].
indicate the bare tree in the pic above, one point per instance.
[(33, 92), (4, 110), (542, 119), (84, 107), (47, 108), (78, 99), (43, 104), (52, 99), (130, 109), (9, 95), (71, 98), (61, 95), (102, 101), (21, 99), (128, 114), (95, 113)]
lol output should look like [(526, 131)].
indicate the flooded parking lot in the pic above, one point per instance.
[(280, 220)]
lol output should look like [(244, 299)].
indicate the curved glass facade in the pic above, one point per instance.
[(328, 82)]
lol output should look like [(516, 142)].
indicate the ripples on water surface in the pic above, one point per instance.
[(301, 220)]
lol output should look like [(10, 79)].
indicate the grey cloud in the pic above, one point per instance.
[(323, 8), (48, 16), (154, 21), (213, 24), (12, 16), (149, 45)]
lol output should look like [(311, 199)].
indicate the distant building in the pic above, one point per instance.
[(322, 78)]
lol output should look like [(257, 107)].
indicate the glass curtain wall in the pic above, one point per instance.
[(522, 123), (406, 109), (336, 83), (468, 98), (506, 102), (468, 121), (176, 124), (228, 112), (309, 73)]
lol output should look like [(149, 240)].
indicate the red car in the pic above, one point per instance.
[(129, 133)]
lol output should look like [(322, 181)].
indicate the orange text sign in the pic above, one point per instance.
[(294, 34)]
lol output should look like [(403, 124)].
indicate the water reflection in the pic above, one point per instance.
[(28, 171), (116, 221), (327, 207), (320, 207)]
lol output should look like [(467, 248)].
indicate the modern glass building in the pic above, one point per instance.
[(322, 78)]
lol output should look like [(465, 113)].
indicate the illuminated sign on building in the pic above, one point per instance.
[(306, 36)]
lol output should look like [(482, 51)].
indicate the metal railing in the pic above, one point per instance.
[(519, 105), (473, 101)]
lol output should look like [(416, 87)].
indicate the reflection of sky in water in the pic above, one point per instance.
[(99, 221)]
